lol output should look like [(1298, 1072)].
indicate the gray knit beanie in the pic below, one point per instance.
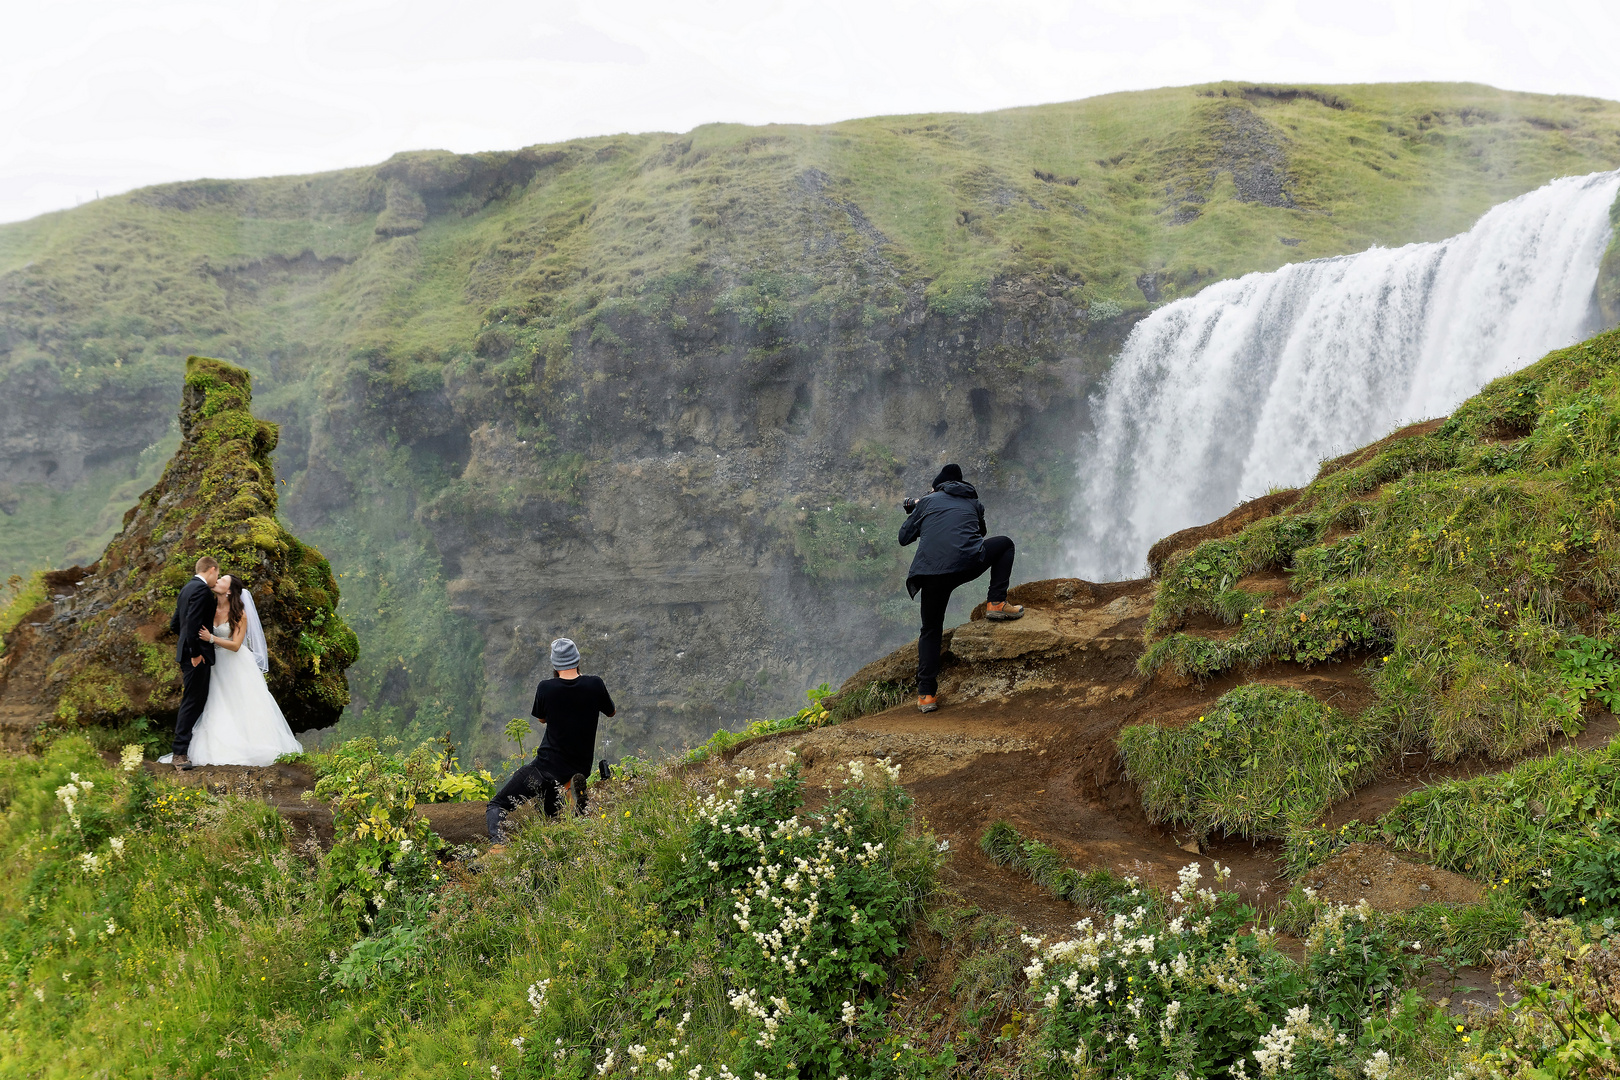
[(564, 654)]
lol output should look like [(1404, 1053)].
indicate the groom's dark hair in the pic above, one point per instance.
[(206, 563)]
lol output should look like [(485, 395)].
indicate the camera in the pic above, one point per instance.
[(909, 505)]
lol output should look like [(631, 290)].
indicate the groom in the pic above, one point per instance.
[(193, 610)]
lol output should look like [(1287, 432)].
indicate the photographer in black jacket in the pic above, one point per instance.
[(953, 550)]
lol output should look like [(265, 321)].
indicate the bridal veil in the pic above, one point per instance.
[(255, 634)]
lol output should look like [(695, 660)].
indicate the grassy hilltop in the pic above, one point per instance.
[(462, 349)]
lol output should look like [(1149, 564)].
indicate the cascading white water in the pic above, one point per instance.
[(1251, 383)]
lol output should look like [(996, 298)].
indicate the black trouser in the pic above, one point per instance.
[(192, 699), (531, 781), (997, 558)]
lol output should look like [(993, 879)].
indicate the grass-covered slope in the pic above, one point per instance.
[(1186, 184), (692, 925), (103, 652), (1470, 564)]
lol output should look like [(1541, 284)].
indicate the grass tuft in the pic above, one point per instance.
[(1260, 758), (1098, 888)]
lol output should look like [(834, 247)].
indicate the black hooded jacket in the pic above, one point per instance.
[(950, 523)]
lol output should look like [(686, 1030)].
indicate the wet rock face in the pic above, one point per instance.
[(101, 651), (38, 446), (684, 554)]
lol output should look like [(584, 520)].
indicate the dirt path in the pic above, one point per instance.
[(1026, 734)]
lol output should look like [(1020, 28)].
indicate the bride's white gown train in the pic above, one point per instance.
[(241, 724)]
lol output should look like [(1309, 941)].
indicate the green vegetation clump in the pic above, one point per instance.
[(26, 595), (1515, 826), (826, 707), (1098, 888), (1477, 563), (1260, 758)]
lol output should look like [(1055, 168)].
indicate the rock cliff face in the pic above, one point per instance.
[(725, 532), (99, 651)]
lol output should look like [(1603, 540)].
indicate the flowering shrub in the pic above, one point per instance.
[(1190, 991), (1567, 1021), (799, 914), (380, 843), (811, 909)]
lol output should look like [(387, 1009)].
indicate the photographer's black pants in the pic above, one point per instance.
[(997, 558), (531, 781)]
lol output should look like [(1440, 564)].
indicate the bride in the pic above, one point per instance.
[(241, 724)]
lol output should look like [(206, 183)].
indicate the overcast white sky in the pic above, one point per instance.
[(107, 95)]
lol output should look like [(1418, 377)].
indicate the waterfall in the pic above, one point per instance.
[(1251, 383)]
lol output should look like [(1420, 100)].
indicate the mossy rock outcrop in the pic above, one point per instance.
[(99, 651)]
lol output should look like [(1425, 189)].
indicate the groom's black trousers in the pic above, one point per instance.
[(192, 700)]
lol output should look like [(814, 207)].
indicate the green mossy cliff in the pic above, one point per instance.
[(99, 651)]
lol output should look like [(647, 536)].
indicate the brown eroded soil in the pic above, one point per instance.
[(1025, 733), (1387, 881)]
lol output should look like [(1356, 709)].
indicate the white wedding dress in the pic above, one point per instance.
[(241, 724)]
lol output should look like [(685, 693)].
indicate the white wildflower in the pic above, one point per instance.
[(130, 758), (537, 995)]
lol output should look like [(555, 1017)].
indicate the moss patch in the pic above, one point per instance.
[(216, 497)]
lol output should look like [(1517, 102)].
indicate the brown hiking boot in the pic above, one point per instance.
[(927, 703), (1003, 612), (182, 763), (577, 786)]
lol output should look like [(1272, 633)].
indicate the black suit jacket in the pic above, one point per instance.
[(193, 610)]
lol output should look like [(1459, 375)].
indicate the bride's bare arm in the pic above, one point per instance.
[(233, 643)]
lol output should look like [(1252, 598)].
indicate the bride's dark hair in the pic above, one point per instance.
[(234, 602)]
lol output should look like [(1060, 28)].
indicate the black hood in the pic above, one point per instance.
[(959, 488)]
